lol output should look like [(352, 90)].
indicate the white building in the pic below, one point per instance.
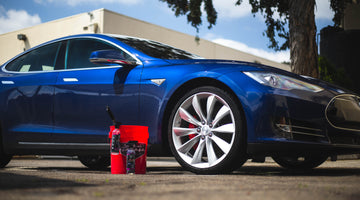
[(105, 21)]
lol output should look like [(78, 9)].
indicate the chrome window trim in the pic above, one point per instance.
[(138, 61)]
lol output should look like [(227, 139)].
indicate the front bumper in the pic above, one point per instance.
[(321, 123)]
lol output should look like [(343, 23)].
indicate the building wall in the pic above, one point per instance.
[(117, 23), (352, 17), (105, 21), (11, 46)]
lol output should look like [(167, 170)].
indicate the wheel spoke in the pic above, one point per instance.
[(221, 114), (224, 146), (227, 128), (210, 152), (187, 117), (197, 108), (210, 106), (184, 131), (198, 153), (188, 145)]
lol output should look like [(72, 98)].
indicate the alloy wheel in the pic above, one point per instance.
[(203, 130)]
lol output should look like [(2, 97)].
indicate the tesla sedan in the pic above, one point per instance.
[(212, 115)]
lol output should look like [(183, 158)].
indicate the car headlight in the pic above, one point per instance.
[(282, 82)]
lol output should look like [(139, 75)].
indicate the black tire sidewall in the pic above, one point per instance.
[(237, 154), (95, 162), (4, 158), (311, 161)]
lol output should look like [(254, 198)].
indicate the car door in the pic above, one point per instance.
[(27, 98), (83, 90)]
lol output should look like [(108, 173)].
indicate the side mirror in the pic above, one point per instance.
[(106, 57)]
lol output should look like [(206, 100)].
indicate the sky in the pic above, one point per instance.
[(236, 27)]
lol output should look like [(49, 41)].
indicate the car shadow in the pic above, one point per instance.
[(279, 171), (268, 171), (72, 169), (155, 170), (9, 181), (257, 170)]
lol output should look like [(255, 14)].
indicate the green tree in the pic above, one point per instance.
[(300, 37)]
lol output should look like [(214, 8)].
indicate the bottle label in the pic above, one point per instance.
[(139, 149), (115, 144), (130, 161)]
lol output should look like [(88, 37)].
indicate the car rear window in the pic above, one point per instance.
[(40, 59)]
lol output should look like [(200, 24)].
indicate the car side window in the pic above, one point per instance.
[(79, 51), (40, 59)]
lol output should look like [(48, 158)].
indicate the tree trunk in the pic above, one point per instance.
[(302, 29)]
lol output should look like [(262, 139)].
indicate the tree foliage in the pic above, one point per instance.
[(338, 6), (335, 75), (192, 9), (275, 25), (292, 22), (275, 12)]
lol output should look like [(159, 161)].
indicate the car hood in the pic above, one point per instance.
[(225, 65), (228, 66)]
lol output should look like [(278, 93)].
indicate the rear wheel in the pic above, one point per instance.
[(95, 162), (300, 162), (4, 159), (206, 133)]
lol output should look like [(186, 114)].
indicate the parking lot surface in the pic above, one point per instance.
[(68, 179)]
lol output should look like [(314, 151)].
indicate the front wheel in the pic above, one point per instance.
[(206, 132), (95, 162), (300, 162)]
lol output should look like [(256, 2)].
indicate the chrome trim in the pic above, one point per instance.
[(138, 61), (344, 99), (63, 144), (310, 134), (312, 129), (159, 81), (337, 97), (282, 127)]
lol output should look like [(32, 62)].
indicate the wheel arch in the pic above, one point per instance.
[(191, 84)]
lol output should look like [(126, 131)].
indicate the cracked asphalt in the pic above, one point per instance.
[(68, 179)]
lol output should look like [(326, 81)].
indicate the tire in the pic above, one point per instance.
[(4, 160), (300, 163), (206, 132), (95, 162)]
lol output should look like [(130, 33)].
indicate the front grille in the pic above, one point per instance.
[(343, 112)]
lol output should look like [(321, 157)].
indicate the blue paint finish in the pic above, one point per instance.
[(68, 106)]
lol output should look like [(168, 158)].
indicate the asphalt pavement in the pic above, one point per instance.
[(68, 179)]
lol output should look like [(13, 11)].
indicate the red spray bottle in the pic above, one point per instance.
[(116, 161)]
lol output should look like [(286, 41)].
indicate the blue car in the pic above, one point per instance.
[(212, 115)]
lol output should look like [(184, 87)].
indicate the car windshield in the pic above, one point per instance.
[(156, 49)]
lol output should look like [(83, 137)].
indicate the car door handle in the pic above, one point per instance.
[(7, 82), (70, 79)]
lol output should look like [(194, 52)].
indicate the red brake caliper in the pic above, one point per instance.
[(191, 136)]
